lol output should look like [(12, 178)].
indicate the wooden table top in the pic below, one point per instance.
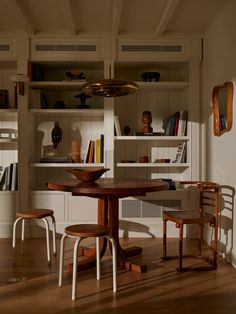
[(110, 186)]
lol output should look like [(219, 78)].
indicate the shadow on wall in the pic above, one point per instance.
[(226, 218)]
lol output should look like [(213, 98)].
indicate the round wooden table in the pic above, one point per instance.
[(108, 191)]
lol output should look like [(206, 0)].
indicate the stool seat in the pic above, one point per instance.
[(34, 213), (87, 230)]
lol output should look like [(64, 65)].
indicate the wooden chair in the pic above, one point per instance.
[(81, 232), (207, 214), (42, 214)]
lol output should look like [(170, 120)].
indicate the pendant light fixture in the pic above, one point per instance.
[(109, 88)]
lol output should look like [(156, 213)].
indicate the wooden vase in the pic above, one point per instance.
[(75, 151)]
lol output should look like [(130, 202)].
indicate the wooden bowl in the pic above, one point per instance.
[(88, 175)]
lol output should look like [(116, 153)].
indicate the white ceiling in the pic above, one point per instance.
[(129, 18)]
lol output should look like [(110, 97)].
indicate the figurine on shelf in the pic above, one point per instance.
[(75, 151), (147, 120), (144, 159), (59, 104), (56, 134), (82, 96), (127, 130)]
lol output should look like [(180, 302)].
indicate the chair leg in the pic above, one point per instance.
[(61, 261), (114, 263), (200, 231), (54, 235), (47, 240), (164, 238), (215, 253), (74, 277), (14, 238), (98, 259), (180, 268)]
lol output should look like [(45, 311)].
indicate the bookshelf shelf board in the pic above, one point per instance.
[(7, 141), (8, 112), (164, 86), (65, 165), (80, 112), (152, 165), (8, 192), (152, 138), (65, 85)]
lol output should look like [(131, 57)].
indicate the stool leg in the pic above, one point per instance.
[(98, 259), (164, 238), (114, 263), (75, 258), (22, 237), (47, 240), (61, 262), (54, 235), (14, 238)]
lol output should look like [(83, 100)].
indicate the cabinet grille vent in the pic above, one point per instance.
[(70, 48), (151, 48), (4, 47)]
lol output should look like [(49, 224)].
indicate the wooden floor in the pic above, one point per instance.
[(31, 286)]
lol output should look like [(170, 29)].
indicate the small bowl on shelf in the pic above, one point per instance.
[(88, 175)]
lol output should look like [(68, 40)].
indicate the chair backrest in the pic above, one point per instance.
[(209, 196)]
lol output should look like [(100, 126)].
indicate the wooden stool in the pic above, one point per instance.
[(42, 214), (81, 232)]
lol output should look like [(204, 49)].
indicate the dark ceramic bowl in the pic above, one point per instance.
[(150, 76), (88, 175)]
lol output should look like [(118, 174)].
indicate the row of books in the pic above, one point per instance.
[(9, 178), (95, 151), (177, 124)]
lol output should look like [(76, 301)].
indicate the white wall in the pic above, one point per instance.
[(219, 153)]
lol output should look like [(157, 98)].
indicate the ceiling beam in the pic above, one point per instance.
[(116, 15), (29, 27), (68, 16), (166, 16)]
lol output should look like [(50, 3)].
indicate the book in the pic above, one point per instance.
[(180, 126), (176, 127), (102, 148), (185, 123), (117, 126), (35, 98), (98, 151), (179, 153), (14, 179), (149, 134), (170, 126), (91, 152), (2, 178), (86, 159), (9, 177)]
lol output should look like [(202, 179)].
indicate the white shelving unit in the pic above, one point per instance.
[(178, 89), (8, 145)]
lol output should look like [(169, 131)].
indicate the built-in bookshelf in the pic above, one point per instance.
[(53, 96)]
